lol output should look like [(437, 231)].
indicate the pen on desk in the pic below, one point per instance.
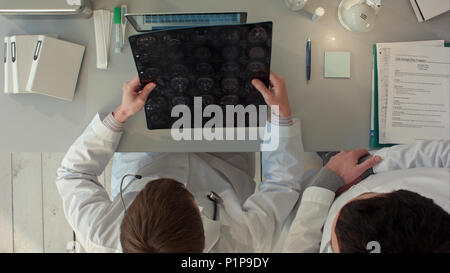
[(308, 59), (117, 22), (124, 23)]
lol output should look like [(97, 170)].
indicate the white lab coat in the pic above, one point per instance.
[(421, 167), (247, 221)]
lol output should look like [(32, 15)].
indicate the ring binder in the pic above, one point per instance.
[(37, 50), (54, 68), (42, 65), (7, 69), (13, 52), (22, 48), (5, 48)]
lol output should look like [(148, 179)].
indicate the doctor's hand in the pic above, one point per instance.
[(345, 164), (276, 94), (133, 99)]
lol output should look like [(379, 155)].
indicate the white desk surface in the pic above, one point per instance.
[(335, 113)]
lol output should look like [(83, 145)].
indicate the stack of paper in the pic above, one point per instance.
[(102, 25), (410, 92), (41, 64)]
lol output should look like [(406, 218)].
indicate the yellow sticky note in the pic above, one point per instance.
[(337, 64)]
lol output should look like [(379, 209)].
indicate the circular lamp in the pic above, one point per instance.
[(358, 15)]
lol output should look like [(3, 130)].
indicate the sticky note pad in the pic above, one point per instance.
[(337, 65)]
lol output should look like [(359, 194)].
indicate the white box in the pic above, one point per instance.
[(427, 9)]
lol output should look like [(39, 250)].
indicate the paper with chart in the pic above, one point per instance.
[(418, 98), (383, 60)]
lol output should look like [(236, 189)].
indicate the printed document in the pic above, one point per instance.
[(383, 71), (418, 97)]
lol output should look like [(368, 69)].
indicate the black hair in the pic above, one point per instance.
[(401, 222)]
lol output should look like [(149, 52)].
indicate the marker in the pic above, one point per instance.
[(124, 23), (308, 59), (117, 22)]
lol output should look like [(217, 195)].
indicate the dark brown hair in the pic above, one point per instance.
[(401, 222), (163, 218)]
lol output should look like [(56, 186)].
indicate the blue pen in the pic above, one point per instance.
[(308, 59)]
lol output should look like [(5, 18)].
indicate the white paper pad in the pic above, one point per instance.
[(103, 26)]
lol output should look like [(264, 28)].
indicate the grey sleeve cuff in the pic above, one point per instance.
[(328, 180), (110, 122), (281, 121)]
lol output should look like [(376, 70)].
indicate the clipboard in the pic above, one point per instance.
[(375, 128)]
